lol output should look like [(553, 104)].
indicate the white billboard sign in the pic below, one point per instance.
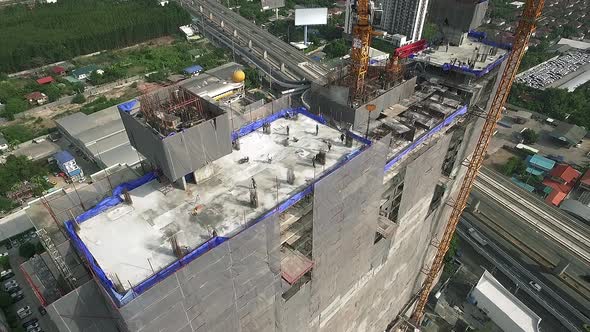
[(311, 16)]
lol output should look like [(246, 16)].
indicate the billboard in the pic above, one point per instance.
[(311, 16), (272, 4)]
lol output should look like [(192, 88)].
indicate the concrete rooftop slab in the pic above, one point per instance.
[(123, 238), (462, 54)]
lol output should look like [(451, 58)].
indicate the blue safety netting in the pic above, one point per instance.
[(115, 199), (461, 111), (127, 106), (284, 113)]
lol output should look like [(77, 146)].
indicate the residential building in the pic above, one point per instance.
[(585, 180), (277, 222), (539, 165), (84, 73), (67, 164), (404, 17), (45, 80), (500, 305), (58, 70), (568, 134), (36, 97), (455, 18)]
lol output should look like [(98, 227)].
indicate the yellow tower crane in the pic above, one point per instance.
[(526, 26)]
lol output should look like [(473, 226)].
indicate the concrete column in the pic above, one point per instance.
[(180, 183), (561, 267), (305, 35), (211, 16)]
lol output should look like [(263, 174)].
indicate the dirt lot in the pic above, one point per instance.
[(546, 145)]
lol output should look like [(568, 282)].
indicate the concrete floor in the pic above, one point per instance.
[(222, 202)]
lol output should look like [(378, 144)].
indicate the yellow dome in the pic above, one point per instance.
[(238, 76)]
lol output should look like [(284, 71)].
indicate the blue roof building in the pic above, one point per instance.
[(538, 165), (67, 164), (63, 157), (192, 70)]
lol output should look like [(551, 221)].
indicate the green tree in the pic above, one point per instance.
[(514, 166), (27, 250), (4, 263), (252, 78), (430, 31), (336, 49), (53, 92), (79, 99), (14, 106), (529, 136)]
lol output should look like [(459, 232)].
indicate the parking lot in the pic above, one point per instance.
[(29, 299), (553, 70)]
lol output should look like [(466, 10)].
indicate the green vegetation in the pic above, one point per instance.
[(336, 49), (430, 31), (27, 250), (4, 263), (19, 169), (253, 78), (49, 33), (14, 90), (98, 104), (450, 266), (79, 99), (514, 166), (19, 133), (502, 9), (382, 45), (4, 300), (287, 30), (529, 136), (555, 103)]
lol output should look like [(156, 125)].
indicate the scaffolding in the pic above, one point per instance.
[(57, 258)]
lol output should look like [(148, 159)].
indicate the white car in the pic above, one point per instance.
[(33, 327), (24, 312), (535, 286)]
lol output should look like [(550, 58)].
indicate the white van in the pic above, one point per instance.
[(24, 312)]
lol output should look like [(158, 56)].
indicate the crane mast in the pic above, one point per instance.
[(526, 25), (361, 41)]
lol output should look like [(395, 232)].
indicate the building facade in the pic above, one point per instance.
[(404, 17)]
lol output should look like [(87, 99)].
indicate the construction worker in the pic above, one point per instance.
[(329, 146), (317, 129), (313, 162), (342, 138), (287, 130), (253, 184)]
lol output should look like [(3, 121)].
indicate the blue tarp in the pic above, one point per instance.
[(127, 106), (63, 157), (193, 69), (461, 111)]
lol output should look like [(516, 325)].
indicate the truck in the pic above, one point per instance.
[(477, 237)]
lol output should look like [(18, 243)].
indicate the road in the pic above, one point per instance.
[(503, 260), (553, 224), (245, 34)]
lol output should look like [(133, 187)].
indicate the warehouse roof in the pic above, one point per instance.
[(503, 307), (568, 133)]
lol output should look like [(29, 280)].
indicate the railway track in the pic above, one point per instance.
[(532, 210), (567, 278)]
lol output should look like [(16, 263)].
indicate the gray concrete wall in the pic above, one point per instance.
[(82, 310), (234, 287), (345, 211)]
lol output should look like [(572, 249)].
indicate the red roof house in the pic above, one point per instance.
[(555, 197), (36, 98), (58, 70), (564, 173), (45, 80)]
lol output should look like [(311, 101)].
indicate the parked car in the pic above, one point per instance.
[(9, 284), (33, 326), (42, 310), (30, 322), (535, 286), (14, 290), (24, 312), (6, 274)]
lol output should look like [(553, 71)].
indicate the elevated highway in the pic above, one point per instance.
[(287, 66)]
